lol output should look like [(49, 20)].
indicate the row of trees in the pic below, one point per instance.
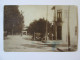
[(13, 19), (39, 26)]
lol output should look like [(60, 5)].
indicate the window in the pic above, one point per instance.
[(59, 15)]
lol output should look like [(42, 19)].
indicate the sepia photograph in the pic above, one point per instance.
[(40, 28)]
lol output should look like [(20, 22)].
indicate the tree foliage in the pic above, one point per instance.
[(39, 26), (13, 19)]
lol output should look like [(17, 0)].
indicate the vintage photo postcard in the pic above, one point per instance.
[(40, 28)]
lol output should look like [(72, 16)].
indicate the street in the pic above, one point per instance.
[(17, 43)]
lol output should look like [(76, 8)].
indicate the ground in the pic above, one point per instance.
[(18, 43)]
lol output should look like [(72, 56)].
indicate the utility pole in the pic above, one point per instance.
[(52, 30), (34, 35), (68, 29), (12, 29), (46, 37)]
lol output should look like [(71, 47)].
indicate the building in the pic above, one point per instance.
[(24, 31), (66, 24)]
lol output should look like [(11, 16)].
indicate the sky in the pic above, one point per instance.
[(35, 12)]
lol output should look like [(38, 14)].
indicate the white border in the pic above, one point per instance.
[(37, 55)]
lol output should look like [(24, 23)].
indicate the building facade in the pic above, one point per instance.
[(66, 24)]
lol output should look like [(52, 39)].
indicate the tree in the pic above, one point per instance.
[(39, 26), (13, 19)]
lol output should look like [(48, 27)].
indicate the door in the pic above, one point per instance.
[(59, 32)]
